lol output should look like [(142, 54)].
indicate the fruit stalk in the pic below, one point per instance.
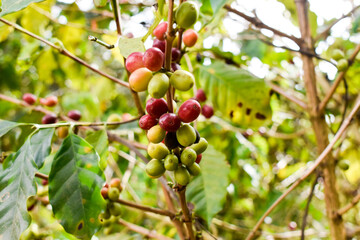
[(169, 41), (186, 213)]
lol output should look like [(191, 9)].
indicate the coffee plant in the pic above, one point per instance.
[(178, 119)]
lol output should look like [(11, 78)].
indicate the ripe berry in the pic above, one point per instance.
[(198, 158), (171, 162), (182, 80), (74, 115), (155, 168), (49, 119), (158, 151), (200, 95), (139, 79), (186, 135), (194, 169), (170, 122), (153, 59), (201, 146), (156, 107), (207, 111), (159, 44), (171, 141), (49, 101), (160, 30), (175, 54), (156, 134), (134, 61), (190, 37), (113, 193), (182, 176), (105, 192), (189, 110), (115, 182), (186, 14), (175, 66), (158, 85), (146, 122), (45, 182), (29, 98), (188, 156)]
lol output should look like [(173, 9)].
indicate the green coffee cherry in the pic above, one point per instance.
[(342, 65), (337, 54), (115, 208), (158, 151), (188, 156), (113, 118), (182, 176), (344, 164), (158, 85), (182, 80), (155, 168), (156, 134), (186, 135), (194, 169), (201, 146), (113, 193), (171, 162), (186, 14)]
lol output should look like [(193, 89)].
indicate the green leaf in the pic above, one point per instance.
[(100, 3), (238, 94), (211, 7), (9, 6), (41, 145), (6, 126), (130, 45), (16, 185), (208, 190), (75, 182), (161, 4), (99, 140), (157, 20)]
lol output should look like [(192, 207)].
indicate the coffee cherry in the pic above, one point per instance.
[(49, 101), (182, 80), (182, 176), (113, 193), (189, 111), (344, 164), (194, 169), (186, 14), (62, 132), (171, 162), (175, 67), (74, 115), (156, 134), (207, 111), (49, 119), (153, 59), (160, 30), (190, 37), (146, 122), (155, 168), (160, 45), (186, 135), (171, 141), (105, 192), (104, 216), (198, 158), (342, 64), (157, 151), (170, 122), (115, 208), (45, 182), (29, 98), (201, 146), (188, 156), (200, 95), (175, 54), (134, 61), (158, 85), (337, 54), (140, 79), (115, 182), (114, 117), (156, 107)]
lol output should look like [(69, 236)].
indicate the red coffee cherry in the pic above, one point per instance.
[(49, 101), (156, 107), (29, 98), (134, 61), (170, 122), (207, 111), (49, 119), (74, 115), (190, 37), (160, 30), (159, 44), (200, 95), (189, 111), (146, 122), (153, 59)]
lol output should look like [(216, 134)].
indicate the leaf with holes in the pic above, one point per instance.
[(17, 184), (75, 182), (208, 190), (99, 140), (9, 6), (6, 126), (238, 94), (130, 45)]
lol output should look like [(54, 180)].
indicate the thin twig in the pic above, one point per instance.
[(65, 52), (102, 43), (306, 211), (41, 176), (290, 97), (338, 80), (187, 217), (146, 208), (350, 205), (307, 172)]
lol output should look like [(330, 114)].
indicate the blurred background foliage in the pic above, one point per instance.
[(263, 161)]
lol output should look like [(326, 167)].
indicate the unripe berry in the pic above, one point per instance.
[(49, 119), (62, 132), (186, 135), (156, 107), (158, 85), (186, 14), (171, 162), (200, 95), (115, 208), (113, 194), (156, 134), (29, 98), (140, 79), (207, 111), (342, 64), (190, 37), (74, 115), (201, 146), (153, 59), (170, 122), (155, 168), (160, 30), (337, 54), (114, 117), (182, 176), (146, 122), (189, 111), (157, 151), (194, 169), (182, 80), (188, 156), (175, 54), (160, 45), (134, 61), (344, 164)]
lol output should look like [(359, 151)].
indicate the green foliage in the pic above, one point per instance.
[(100, 3), (9, 6), (99, 140), (208, 190), (6, 126), (211, 7), (75, 182), (130, 45), (41, 145)]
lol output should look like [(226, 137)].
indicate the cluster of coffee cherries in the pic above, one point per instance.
[(339, 56), (111, 193), (49, 101), (206, 110)]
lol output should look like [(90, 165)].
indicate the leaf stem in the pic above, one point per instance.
[(102, 43)]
